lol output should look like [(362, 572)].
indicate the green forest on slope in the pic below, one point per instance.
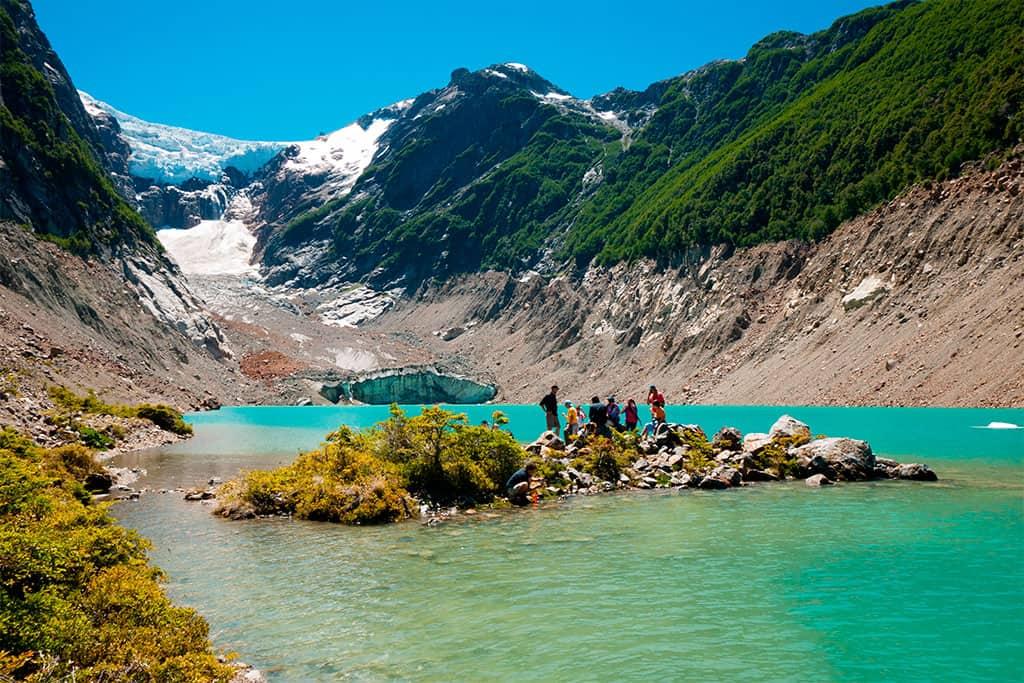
[(810, 131)]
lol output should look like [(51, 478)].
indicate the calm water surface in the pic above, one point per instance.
[(878, 581)]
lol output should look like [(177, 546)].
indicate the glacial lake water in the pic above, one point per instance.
[(895, 581)]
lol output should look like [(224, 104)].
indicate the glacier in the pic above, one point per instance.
[(169, 154)]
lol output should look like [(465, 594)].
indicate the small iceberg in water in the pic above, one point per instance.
[(1000, 425)]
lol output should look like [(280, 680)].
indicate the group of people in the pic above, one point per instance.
[(601, 417), (597, 417)]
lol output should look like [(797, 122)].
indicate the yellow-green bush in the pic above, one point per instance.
[(367, 477), (67, 403), (77, 597)]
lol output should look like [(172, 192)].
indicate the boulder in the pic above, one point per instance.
[(790, 428), (712, 484), (551, 440), (916, 472), (682, 479), (725, 477), (810, 464), (674, 461), (641, 465), (869, 289), (818, 480), (687, 433), (727, 439), (98, 482), (846, 459), (758, 475), (453, 333), (755, 442)]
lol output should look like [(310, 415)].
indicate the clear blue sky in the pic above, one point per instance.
[(290, 69)]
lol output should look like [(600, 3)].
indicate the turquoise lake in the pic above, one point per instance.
[(894, 581)]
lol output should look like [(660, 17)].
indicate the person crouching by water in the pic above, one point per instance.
[(519, 485), (598, 414), (632, 415), (550, 406), (572, 421)]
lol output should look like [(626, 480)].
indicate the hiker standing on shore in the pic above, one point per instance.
[(614, 414), (598, 414), (632, 415), (654, 396), (550, 406), (572, 421)]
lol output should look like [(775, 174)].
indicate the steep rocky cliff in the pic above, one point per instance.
[(103, 294)]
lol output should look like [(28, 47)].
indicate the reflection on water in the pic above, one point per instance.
[(892, 580)]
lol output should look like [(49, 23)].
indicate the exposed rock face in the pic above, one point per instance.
[(870, 288), (768, 324), (171, 206), (408, 386)]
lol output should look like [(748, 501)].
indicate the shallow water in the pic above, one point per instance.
[(889, 580)]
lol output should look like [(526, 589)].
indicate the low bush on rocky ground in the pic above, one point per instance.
[(373, 476), (70, 408), (78, 600)]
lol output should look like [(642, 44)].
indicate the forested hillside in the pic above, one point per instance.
[(501, 170), (809, 131)]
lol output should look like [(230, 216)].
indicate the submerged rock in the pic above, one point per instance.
[(818, 480), (916, 472)]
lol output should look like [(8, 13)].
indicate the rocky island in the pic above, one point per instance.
[(408, 467)]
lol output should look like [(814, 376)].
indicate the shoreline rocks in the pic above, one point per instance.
[(681, 456)]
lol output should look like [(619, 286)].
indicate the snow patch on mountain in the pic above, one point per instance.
[(173, 155), (343, 155), (217, 247)]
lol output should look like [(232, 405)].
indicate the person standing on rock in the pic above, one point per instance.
[(572, 421), (614, 414), (632, 415), (550, 406), (654, 396), (599, 416)]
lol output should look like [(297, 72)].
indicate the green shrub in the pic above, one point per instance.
[(604, 458), (94, 439), (367, 477), (164, 417), (78, 600), (67, 403)]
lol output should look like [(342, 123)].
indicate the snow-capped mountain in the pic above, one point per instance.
[(169, 154)]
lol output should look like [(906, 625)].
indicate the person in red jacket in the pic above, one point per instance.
[(654, 396), (632, 415)]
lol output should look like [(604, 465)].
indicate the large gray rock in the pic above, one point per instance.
[(755, 442), (722, 477), (818, 480), (791, 428), (846, 459)]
